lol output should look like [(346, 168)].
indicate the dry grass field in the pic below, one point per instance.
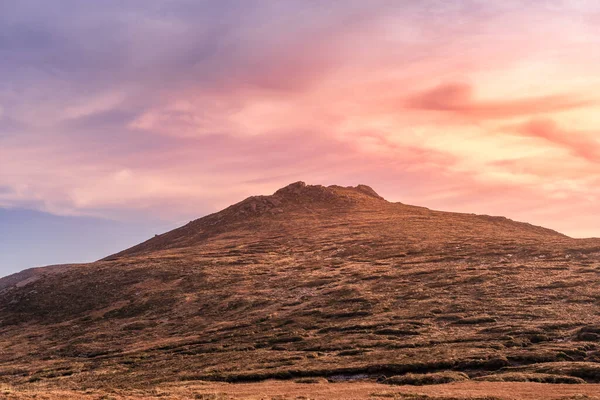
[(322, 390), (333, 292)]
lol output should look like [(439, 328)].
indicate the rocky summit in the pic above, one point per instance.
[(313, 282)]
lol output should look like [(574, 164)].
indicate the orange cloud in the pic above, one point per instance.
[(458, 98)]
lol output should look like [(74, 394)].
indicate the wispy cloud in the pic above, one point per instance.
[(458, 98), (581, 144)]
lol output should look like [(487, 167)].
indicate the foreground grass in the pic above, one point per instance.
[(283, 390)]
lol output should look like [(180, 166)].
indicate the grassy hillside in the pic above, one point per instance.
[(313, 281)]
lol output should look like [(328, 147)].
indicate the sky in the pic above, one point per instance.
[(122, 119)]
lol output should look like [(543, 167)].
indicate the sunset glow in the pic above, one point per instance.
[(168, 111)]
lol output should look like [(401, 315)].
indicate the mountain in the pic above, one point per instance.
[(332, 282)]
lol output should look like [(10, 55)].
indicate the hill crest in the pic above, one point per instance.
[(290, 207), (296, 199)]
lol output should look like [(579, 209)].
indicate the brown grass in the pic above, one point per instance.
[(434, 378), (274, 390), (310, 283), (531, 377)]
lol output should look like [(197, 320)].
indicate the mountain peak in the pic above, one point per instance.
[(360, 189), (300, 196), (291, 201), (297, 205), (301, 191)]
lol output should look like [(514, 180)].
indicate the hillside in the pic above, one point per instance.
[(312, 281)]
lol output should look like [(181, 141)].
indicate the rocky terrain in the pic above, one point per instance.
[(312, 285)]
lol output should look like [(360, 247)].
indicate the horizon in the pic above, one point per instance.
[(121, 121)]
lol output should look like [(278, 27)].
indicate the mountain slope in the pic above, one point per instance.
[(300, 203), (312, 280)]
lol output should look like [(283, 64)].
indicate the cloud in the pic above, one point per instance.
[(459, 98), (204, 174), (580, 144), (179, 108)]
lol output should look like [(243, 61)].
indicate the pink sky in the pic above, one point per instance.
[(172, 110)]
